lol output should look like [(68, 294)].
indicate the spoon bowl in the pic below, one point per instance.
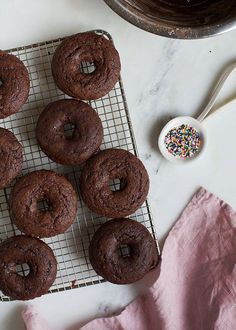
[(176, 122)]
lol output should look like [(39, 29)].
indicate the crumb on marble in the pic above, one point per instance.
[(73, 284), (148, 156)]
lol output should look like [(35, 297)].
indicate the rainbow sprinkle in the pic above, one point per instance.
[(183, 141)]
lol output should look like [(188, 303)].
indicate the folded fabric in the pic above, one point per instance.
[(196, 288), (32, 319)]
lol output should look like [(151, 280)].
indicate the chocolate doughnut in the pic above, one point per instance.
[(109, 165), (106, 256), (14, 84), (31, 192), (86, 137), (42, 264), (11, 157), (86, 47)]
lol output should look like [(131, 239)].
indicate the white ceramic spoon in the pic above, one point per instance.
[(195, 123)]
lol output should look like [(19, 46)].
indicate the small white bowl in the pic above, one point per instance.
[(176, 122)]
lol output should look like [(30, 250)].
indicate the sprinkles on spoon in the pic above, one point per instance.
[(183, 141)]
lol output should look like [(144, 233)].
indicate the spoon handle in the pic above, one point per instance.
[(216, 91)]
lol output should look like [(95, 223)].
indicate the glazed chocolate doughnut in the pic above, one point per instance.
[(11, 157), (42, 264), (87, 134), (36, 188), (105, 251), (14, 84), (109, 165), (86, 47)]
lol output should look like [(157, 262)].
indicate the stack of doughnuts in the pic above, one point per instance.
[(70, 132)]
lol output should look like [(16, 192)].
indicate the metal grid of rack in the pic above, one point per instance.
[(70, 248)]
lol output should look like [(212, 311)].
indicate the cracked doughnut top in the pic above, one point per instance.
[(39, 257), (73, 146), (123, 266), (71, 56), (43, 204), (109, 165)]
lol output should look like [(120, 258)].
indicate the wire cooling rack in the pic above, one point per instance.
[(70, 248)]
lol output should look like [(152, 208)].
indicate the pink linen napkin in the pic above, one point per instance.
[(32, 319), (196, 288)]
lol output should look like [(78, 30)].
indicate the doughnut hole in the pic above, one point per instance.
[(87, 67), (125, 251), (44, 204), (117, 184), (23, 269), (69, 130)]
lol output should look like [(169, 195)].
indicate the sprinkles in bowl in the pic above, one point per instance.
[(183, 141)]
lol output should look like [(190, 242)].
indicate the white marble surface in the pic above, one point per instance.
[(163, 78)]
